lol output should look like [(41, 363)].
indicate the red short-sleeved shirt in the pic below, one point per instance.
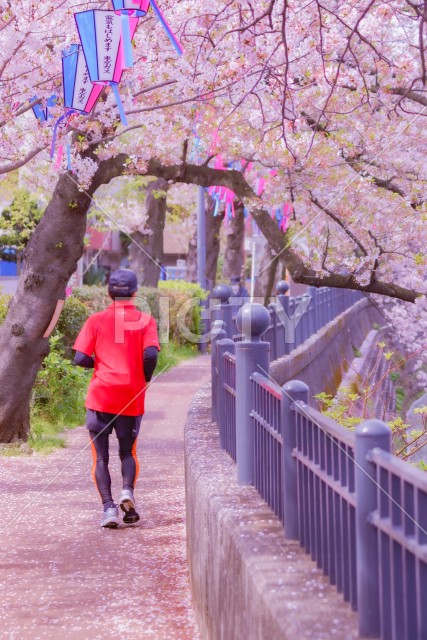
[(117, 338)]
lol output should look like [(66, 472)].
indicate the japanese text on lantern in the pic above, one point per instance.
[(108, 31), (82, 96)]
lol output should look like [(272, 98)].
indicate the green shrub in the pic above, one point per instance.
[(60, 388), (4, 305), (73, 316), (179, 292), (94, 276), (94, 298), (148, 299)]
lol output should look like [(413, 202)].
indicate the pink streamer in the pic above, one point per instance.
[(59, 157)]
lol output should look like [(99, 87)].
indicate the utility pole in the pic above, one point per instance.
[(201, 238)]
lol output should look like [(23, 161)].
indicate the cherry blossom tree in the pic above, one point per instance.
[(330, 94)]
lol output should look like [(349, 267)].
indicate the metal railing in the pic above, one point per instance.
[(324, 454), (292, 319), (227, 410), (360, 512), (400, 522), (268, 442)]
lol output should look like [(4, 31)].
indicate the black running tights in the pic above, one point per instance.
[(100, 473)]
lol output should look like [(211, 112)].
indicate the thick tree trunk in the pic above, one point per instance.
[(234, 252), (192, 259), (213, 227), (266, 273), (270, 270), (49, 260), (146, 252)]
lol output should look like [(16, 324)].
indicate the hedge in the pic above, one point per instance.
[(87, 299)]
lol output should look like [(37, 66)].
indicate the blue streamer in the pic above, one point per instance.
[(55, 129), (68, 156), (127, 41), (216, 210), (166, 27), (119, 104)]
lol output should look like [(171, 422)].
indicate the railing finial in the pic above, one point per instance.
[(253, 320), (222, 292), (282, 287)]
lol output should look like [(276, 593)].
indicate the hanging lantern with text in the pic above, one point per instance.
[(101, 39), (79, 92), (139, 8), (127, 9)]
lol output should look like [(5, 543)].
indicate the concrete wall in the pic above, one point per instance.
[(322, 361), (248, 582)]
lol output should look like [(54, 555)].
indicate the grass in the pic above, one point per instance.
[(45, 434), (48, 429), (172, 354)]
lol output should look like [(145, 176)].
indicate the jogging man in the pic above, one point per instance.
[(121, 345)]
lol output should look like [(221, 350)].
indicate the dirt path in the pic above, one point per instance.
[(64, 577)]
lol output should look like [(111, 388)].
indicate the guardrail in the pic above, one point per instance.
[(360, 512), (292, 319)]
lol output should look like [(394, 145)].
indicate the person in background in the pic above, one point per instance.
[(239, 291), (121, 345)]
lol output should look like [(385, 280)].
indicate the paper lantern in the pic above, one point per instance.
[(140, 8), (102, 43), (127, 8), (100, 36), (41, 114), (79, 92), (136, 8)]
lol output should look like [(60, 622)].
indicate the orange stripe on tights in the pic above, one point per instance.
[(135, 457), (94, 465)]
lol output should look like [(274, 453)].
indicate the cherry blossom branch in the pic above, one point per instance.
[(339, 222), (20, 163)]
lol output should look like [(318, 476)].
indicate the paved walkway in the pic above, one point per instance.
[(62, 576)]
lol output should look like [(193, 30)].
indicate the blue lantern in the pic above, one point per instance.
[(41, 114), (79, 92)]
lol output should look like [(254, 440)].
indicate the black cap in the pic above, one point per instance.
[(235, 279), (123, 282)]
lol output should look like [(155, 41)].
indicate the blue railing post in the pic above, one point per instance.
[(369, 434), (221, 347), (252, 356), (305, 320), (293, 391), (282, 305), (223, 311), (313, 311), (204, 325), (218, 333)]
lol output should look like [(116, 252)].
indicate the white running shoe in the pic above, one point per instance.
[(110, 518), (127, 504), (127, 501)]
